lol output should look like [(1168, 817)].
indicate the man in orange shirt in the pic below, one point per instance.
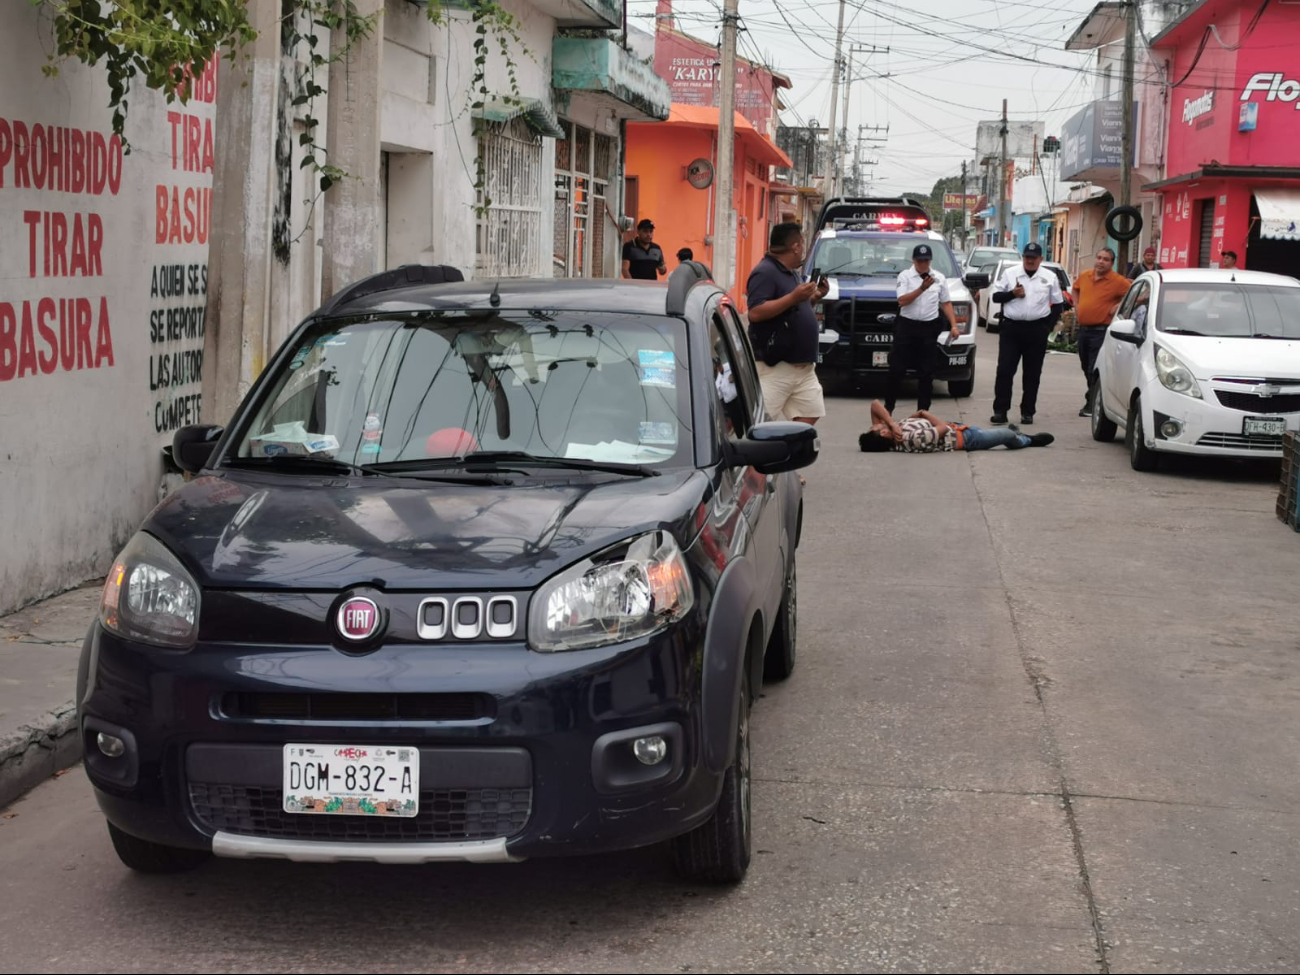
[(1096, 296)]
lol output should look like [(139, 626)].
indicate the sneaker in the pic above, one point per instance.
[(1027, 419), (1086, 411), (998, 418), (1040, 439)]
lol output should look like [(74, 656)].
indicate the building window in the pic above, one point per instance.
[(585, 162), (510, 231)]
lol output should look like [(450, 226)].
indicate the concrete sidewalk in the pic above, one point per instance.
[(39, 648)]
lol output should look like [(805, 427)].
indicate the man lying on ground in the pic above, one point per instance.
[(925, 433)]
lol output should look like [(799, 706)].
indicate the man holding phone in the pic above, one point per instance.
[(922, 295), (783, 328)]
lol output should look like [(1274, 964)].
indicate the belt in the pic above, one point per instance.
[(1092, 325)]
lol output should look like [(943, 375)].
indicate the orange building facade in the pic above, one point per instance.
[(662, 185)]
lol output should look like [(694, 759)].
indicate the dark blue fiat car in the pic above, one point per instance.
[(476, 572)]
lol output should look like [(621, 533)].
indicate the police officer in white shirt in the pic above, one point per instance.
[(922, 294), (1031, 300)]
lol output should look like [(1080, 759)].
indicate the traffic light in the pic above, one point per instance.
[(1051, 145)]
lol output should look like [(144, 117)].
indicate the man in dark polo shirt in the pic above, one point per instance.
[(784, 329), (643, 259)]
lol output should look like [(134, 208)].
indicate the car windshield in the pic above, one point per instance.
[(1230, 310), (981, 259), (883, 255), (417, 388)]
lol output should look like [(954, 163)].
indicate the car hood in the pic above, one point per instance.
[(1208, 357), (882, 287), (250, 530)]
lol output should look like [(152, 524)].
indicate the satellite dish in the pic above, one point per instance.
[(700, 174)]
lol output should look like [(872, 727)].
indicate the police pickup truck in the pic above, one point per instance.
[(861, 246)]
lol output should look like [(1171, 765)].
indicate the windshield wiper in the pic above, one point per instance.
[(1181, 331), (498, 458), (1280, 338), (332, 465)]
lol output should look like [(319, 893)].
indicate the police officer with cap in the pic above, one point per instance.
[(1031, 300), (922, 294)]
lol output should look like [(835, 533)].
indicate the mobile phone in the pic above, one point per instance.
[(816, 275)]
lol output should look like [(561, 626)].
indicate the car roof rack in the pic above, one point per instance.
[(686, 276), (405, 276)]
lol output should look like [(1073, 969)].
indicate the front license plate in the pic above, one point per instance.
[(879, 359), (1264, 426), (352, 780)]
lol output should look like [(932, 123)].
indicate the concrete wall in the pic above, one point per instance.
[(428, 128), (103, 273)]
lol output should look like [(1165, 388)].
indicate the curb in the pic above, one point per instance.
[(36, 751)]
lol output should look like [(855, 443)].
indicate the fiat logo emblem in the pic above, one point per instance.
[(358, 619)]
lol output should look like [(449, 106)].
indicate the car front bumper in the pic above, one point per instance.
[(521, 753), (1208, 428)]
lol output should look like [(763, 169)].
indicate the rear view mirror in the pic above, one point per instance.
[(977, 280), (774, 447), (192, 447)]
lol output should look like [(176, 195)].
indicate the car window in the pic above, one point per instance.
[(1230, 310), (731, 414), (1137, 303), (739, 340), (598, 386)]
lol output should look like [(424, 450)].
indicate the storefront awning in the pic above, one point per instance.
[(499, 108), (1279, 214)]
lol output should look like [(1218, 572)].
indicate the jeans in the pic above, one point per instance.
[(913, 348), (984, 438), (1090, 339), (1020, 342)]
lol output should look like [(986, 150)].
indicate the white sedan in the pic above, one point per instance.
[(1201, 362)]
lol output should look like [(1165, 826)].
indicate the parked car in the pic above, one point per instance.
[(1201, 362), (990, 314), (477, 571), (862, 246)]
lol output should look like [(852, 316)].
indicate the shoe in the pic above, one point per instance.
[(998, 418), (1086, 411), (1027, 419), (1040, 439)]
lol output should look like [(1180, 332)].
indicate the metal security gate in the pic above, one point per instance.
[(1204, 255), (510, 230), (584, 163)]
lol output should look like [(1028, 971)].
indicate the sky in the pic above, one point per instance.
[(948, 65)]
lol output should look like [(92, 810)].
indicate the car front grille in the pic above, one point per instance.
[(848, 316), (1250, 403), (445, 814), (358, 707), (1237, 441)]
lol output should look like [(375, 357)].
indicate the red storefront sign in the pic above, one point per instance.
[(691, 68)]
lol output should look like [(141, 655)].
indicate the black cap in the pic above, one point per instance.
[(1033, 250), (645, 225), (922, 252)]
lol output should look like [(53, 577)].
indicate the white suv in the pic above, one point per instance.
[(1201, 362)]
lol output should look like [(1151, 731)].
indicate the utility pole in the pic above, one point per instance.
[(848, 92), (724, 232), (965, 210), (1126, 145), (833, 189), (1003, 202)]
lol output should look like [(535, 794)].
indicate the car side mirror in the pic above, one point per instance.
[(774, 447), (1125, 330), (192, 446), (977, 281)]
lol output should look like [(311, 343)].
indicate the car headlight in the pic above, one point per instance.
[(1174, 375), (149, 596), (631, 590), (961, 310)]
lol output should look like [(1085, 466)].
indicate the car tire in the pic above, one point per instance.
[(778, 661), (962, 388), (144, 856), (718, 851), (1140, 456), (1103, 427)]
